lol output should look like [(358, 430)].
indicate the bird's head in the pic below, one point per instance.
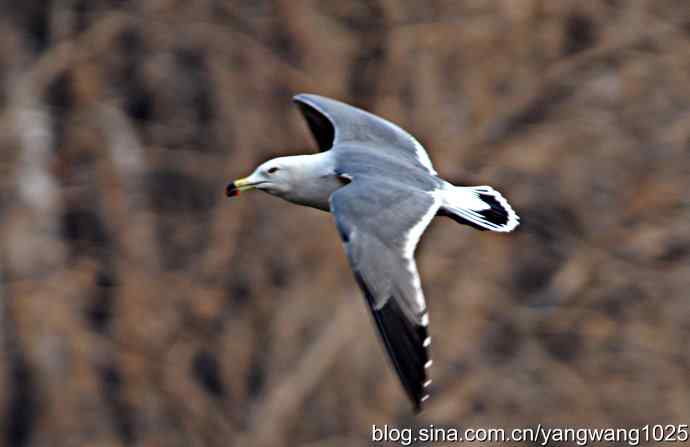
[(274, 176)]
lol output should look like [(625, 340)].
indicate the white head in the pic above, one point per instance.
[(275, 176), (303, 179)]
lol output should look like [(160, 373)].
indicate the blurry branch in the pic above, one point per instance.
[(129, 164), (37, 187), (32, 241), (243, 29), (18, 386), (280, 406), (558, 83), (402, 25), (213, 33), (448, 402), (571, 279), (125, 148), (66, 54), (59, 58)]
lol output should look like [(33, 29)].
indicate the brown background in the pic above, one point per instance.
[(140, 307)]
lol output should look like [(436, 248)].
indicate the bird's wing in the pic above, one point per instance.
[(334, 123), (380, 223)]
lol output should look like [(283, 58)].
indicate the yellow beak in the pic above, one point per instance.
[(237, 186)]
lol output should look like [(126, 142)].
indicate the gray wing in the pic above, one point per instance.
[(335, 124), (380, 223)]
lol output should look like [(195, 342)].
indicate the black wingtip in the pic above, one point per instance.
[(407, 344), (320, 124), (404, 340)]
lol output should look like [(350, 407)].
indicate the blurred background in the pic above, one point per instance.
[(139, 306)]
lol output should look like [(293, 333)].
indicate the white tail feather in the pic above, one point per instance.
[(479, 206)]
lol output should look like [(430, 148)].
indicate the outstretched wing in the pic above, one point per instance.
[(380, 223), (335, 124)]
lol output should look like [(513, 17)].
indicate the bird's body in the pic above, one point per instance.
[(380, 184)]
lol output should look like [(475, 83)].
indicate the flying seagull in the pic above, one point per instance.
[(380, 185)]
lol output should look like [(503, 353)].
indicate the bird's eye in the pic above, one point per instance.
[(273, 170)]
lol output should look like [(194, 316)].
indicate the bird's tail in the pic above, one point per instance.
[(481, 207)]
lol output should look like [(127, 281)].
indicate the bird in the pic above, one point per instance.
[(379, 183)]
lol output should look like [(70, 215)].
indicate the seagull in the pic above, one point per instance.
[(379, 183)]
